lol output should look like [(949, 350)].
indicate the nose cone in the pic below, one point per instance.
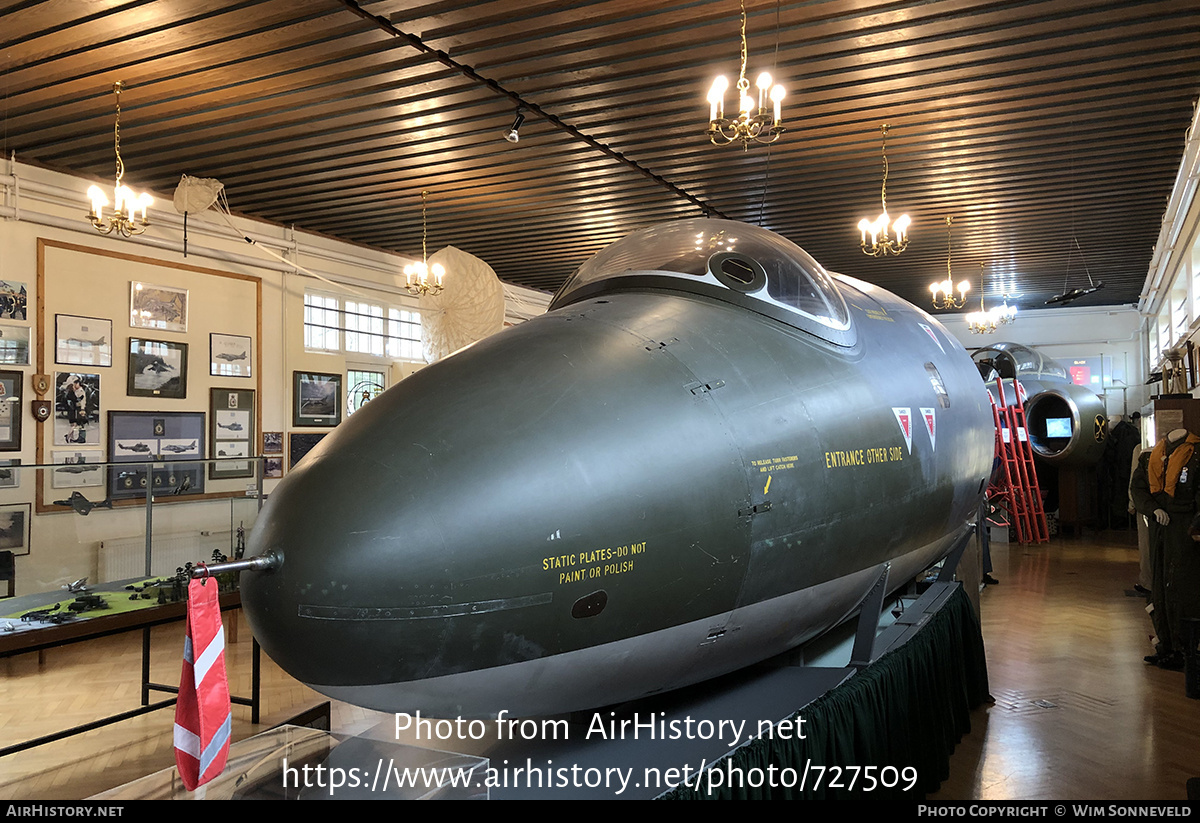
[(423, 537)]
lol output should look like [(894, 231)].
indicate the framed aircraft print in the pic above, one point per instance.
[(14, 528), (232, 433), (77, 469), (157, 307), (14, 344), (316, 399), (82, 341), (229, 355), (164, 451), (10, 410), (157, 368)]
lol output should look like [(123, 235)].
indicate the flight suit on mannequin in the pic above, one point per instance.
[(1166, 489)]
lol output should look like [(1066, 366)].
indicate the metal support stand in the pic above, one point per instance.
[(868, 620), (956, 552)]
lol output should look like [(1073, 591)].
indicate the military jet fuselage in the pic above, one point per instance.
[(701, 456)]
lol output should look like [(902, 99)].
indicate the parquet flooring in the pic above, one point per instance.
[(1078, 715)]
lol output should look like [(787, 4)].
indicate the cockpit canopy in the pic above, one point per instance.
[(734, 262), (1012, 360)]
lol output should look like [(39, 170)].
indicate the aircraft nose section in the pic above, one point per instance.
[(442, 530)]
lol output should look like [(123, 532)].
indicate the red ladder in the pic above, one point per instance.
[(1015, 488)]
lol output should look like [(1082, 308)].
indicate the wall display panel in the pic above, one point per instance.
[(76, 409), (157, 368), (185, 305), (157, 307), (14, 345), (233, 432), (229, 355), (174, 441), (82, 341)]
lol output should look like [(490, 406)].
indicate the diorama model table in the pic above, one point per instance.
[(22, 638)]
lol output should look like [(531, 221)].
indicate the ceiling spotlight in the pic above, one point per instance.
[(514, 134)]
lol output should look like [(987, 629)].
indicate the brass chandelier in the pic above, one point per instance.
[(129, 209), (943, 292), (745, 128), (986, 321), (881, 242), (420, 278)]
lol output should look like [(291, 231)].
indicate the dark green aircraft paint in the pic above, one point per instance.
[(701, 456)]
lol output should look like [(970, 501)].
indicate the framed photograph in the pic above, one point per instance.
[(14, 528), (13, 297), (76, 408), (164, 450), (10, 475), (272, 443), (77, 469), (82, 341), (157, 307), (229, 355), (10, 410), (157, 368), (316, 399), (273, 467), (232, 433), (300, 444), (14, 345)]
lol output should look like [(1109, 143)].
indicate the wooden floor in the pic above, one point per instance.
[(1078, 715)]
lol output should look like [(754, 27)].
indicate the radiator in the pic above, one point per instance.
[(125, 557)]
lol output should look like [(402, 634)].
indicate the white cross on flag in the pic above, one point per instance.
[(904, 418), (203, 720)]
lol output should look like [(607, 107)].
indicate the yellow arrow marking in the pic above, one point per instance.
[(768, 486)]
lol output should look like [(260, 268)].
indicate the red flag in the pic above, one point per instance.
[(203, 721)]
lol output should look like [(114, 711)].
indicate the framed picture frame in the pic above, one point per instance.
[(157, 307), (272, 443), (15, 519), (164, 450), (230, 355), (10, 474), (10, 410), (13, 300), (231, 432), (157, 368), (316, 399), (76, 409), (272, 467), (77, 469), (300, 444), (14, 344), (82, 341)]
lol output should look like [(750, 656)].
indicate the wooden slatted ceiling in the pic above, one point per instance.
[(1021, 119)]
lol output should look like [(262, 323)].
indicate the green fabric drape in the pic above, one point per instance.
[(908, 709)]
